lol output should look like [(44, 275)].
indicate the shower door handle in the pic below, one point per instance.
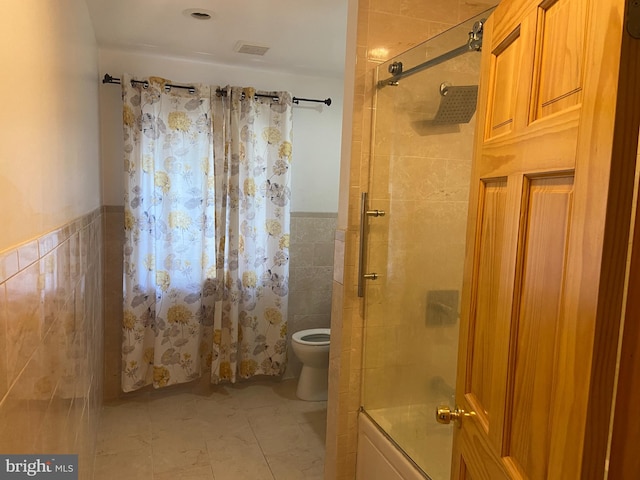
[(364, 213), (363, 217), (375, 213)]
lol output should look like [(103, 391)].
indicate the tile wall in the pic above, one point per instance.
[(51, 339), (310, 275)]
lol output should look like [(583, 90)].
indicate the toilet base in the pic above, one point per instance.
[(313, 384)]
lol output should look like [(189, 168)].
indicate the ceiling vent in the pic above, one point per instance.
[(249, 48)]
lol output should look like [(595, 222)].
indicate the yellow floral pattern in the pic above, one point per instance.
[(285, 150), (163, 181), (273, 227), (179, 121), (273, 316), (179, 314), (128, 118), (169, 224)]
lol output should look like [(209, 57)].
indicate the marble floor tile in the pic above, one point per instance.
[(254, 431), (178, 445), (246, 463), (297, 464), (195, 473), (132, 465)]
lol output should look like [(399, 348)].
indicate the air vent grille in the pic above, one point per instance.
[(250, 49)]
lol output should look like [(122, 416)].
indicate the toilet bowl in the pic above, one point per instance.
[(312, 349)]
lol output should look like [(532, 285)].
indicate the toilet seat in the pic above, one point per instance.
[(313, 336)]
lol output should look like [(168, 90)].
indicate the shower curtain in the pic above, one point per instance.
[(195, 287), (252, 151)]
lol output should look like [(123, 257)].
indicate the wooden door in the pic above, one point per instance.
[(547, 238)]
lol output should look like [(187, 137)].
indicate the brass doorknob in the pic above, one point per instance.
[(445, 415)]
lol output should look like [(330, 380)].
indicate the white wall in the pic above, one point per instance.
[(316, 127), (49, 153)]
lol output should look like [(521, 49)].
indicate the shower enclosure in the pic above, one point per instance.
[(414, 222)]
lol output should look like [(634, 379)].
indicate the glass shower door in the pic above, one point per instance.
[(420, 171)]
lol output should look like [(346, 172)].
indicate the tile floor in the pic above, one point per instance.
[(254, 431)]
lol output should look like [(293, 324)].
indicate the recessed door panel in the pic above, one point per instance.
[(504, 65), (533, 362), (561, 43), (494, 196)]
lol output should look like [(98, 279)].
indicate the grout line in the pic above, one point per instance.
[(261, 449)]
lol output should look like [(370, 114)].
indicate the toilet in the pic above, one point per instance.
[(312, 349)]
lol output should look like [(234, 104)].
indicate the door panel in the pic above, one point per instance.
[(494, 199), (533, 363), (505, 60), (560, 61), (548, 224)]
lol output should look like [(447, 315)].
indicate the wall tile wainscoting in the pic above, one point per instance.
[(51, 331)]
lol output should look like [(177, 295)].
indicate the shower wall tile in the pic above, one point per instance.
[(471, 8), (434, 10), (393, 35), (50, 335)]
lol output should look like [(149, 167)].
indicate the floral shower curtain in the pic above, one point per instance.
[(186, 211), (252, 152)]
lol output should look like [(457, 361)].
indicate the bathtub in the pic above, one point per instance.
[(425, 443)]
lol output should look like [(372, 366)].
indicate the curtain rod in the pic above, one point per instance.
[(220, 91)]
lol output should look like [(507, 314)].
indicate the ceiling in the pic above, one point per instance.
[(304, 36)]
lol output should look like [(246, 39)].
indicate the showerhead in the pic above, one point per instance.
[(457, 104)]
